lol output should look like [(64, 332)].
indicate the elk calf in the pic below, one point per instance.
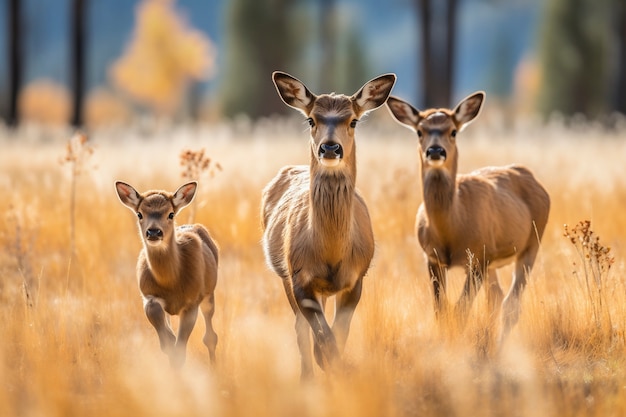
[(176, 269), (317, 231), (496, 214)]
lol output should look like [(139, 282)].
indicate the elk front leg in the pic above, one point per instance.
[(153, 307), (438, 280), (188, 319), (210, 337), (473, 282), (312, 310)]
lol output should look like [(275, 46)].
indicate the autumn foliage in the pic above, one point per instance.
[(164, 55)]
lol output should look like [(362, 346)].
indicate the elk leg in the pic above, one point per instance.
[(511, 304), (346, 304), (188, 319), (312, 310), (303, 332), (438, 280), (317, 351), (494, 293), (473, 282), (210, 337), (156, 316)]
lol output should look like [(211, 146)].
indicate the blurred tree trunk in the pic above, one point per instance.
[(77, 64), (437, 54), (620, 104), (15, 61), (328, 37)]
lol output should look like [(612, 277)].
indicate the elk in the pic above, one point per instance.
[(317, 233), (176, 269), (480, 221)]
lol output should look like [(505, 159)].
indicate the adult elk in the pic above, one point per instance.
[(176, 269), (317, 231), (480, 221)]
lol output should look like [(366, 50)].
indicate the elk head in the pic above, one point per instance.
[(437, 128), (333, 117), (156, 210)]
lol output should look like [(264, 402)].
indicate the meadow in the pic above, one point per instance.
[(75, 340)]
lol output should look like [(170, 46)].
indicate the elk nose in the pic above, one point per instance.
[(154, 234), (436, 153), (331, 151)]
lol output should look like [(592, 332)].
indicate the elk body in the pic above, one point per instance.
[(496, 215), (317, 233), (176, 269)]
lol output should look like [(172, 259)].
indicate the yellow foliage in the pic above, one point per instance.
[(103, 108), (163, 56), (46, 102)]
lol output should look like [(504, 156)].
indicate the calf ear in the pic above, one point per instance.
[(293, 92), (404, 113), (127, 195), (468, 109), (184, 195), (374, 93)]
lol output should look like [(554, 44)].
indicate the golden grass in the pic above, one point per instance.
[(75, 340)]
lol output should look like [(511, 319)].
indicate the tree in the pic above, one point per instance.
[(15, 60), (163, 58), (574, 54), (78, 60), (620, 94), (437, 54), (263, 36)]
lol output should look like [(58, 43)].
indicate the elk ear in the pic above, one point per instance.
[(127, 195), (374, 93), (184, 195), (404, 113), (468, 109), (293, 92)]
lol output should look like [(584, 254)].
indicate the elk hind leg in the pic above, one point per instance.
[(188, 319), (346, 304), (210, 337), (511, 303)]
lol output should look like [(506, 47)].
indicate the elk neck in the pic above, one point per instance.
[(439, 189), (164, 261), (331, 203)]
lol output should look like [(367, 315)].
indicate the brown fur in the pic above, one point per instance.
[(178, 273), (496, 214), (317, 231)]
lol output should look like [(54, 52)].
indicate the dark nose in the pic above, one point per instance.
[(436, 153), (331, 151), (154, 234)]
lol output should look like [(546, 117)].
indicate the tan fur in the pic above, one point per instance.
[(177, 272), (496, 215), (317, 231)]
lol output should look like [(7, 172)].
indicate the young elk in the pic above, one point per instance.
[(495, 215), (176, 269), (317, 230)]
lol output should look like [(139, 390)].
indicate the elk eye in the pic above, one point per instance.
[(139, 216), (171, 216), (353, 123), (453, 133), (311, 122), (419, 133)]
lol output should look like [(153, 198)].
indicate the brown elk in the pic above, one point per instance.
[(480, 221), (317, 231), (176, 269)]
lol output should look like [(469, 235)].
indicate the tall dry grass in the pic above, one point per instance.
[(75, 340)]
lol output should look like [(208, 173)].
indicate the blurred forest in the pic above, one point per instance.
[(98, 62)]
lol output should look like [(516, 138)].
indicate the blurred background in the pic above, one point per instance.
[(99, 62)]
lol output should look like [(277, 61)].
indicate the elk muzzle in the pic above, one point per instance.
[(435, 155), (330, 154), (154, 235)]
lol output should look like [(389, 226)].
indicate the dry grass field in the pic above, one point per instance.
[(75, 341)]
